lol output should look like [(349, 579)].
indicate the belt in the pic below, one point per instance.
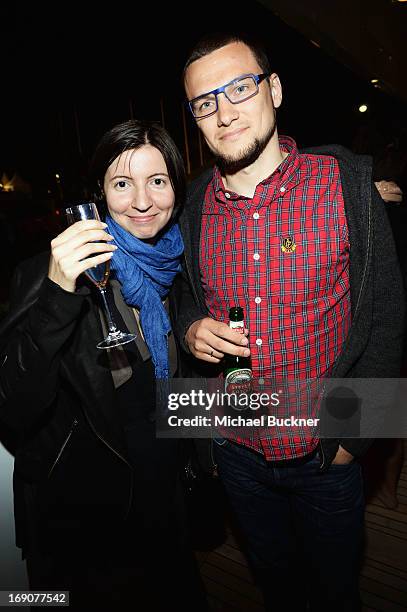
[(296, 461)]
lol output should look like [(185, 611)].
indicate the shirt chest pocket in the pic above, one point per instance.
[(305, 266)]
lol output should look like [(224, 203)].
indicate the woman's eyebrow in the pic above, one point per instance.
[(116, 176)]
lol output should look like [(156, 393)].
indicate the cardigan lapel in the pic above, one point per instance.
[(191, 223)]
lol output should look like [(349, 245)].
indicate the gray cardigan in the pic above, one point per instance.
[(374, 343)]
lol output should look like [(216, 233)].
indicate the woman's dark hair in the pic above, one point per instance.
[(133, 135), (212, 42)]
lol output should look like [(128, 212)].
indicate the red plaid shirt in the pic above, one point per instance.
[(283, 256)]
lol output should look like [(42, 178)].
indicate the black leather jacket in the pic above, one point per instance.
[(73, 482)]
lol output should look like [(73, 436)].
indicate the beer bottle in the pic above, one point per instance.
[(238, 370)]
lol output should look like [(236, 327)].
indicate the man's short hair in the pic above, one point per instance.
[(212, 42)]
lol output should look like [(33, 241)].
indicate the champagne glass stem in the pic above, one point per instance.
[(112, 326)]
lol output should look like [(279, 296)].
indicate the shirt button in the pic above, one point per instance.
[(227, 194), (259, 341), (282, 189), (256, 216), (257, 300), (261, 381), (256, 257)]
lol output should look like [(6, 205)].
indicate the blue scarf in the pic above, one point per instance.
[(145, 273)]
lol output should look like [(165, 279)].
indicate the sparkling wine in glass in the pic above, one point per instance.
[(99, 275)]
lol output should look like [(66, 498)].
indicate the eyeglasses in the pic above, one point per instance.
[(238, 90)]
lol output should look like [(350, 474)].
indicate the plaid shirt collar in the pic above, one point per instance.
[(286, 175)]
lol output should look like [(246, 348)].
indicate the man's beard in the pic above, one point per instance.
[(229, 165)]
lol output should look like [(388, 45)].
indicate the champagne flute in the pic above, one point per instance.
[(99, 275)]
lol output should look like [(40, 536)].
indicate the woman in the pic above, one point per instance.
[(98, 510)]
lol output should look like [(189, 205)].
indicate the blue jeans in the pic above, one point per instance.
[(302, 528)]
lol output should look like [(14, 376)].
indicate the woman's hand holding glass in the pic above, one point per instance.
[(80, 247), (84, 248)]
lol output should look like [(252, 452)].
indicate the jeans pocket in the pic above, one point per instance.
[(342, 465)]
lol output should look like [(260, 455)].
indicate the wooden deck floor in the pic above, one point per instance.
[(383, 578)]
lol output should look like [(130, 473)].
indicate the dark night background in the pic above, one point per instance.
[(69, 75)]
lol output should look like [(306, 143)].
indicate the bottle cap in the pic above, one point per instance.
[(236, 313)]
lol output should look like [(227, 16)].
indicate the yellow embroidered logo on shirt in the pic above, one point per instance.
[(288, 245)]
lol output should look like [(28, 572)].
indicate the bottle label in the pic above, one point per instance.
[(238, 381), (237, 326)]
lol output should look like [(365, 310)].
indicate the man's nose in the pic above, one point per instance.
[(227, 112)]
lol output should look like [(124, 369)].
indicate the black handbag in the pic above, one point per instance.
[(204, 495)]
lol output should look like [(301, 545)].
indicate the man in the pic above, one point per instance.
[(330, 304)]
